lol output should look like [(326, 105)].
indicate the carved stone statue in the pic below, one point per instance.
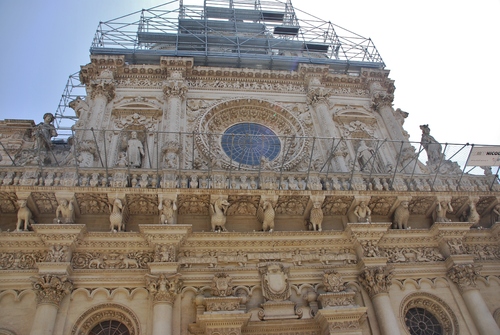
[(167, 210), (218, 210), (366, 157), (316, 217), (441, 209), (24, 216), (401, 216), (265, 215), (65, 212), (363, 213), (122, 159), (116, 216), (135, 151), (473, 216), (431, 146), (45, 131)]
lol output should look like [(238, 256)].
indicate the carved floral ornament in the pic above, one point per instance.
[(435, 306), (291, 131)]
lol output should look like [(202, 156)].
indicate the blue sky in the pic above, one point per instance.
[(442, 54)]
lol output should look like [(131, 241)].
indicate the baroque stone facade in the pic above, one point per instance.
[(196, 198)]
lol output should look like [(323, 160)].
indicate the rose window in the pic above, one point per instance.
[(248, 143)]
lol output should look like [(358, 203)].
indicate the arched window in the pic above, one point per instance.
[(107, 319), (110, 327), (422, 322), (426, 314)]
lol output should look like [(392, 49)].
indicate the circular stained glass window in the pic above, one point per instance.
[(248, 143), (110, 327), (422, 322)]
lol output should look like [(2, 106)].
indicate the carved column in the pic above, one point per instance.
[(50, 290), (382, 99), (376, 281), (163, 289), (101, 91), (174, 89), (318, 98), (464, 276)]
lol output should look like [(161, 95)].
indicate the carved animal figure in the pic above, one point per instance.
[(401, 216), (218, 211), (316, 217), (473, 216), (266, 215), (98, 263), (24, 216), (116, 217), (128, 263)]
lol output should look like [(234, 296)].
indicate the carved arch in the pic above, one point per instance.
[(104, 312), (440, 309)]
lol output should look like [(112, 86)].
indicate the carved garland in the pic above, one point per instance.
[(433, 304), (223, 115), (104, 312)]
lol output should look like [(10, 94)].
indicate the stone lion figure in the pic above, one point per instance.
[(24, 215), (401, 216)]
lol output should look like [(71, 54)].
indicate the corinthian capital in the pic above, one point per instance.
[(376, 280), (164, 288), (381, 99), (102, 88), (175, 88), (51, 289), (317, 95), (464, 275)]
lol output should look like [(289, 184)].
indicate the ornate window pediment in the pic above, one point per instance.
[(347, 114)]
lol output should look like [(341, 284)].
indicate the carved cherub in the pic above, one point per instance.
[(167, 210), (65, 212), (363, 213), (441, 209)]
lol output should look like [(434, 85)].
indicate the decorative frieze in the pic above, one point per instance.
[(21, 260), (111, 260)]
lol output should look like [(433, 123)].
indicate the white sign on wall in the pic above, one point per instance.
[(484, 156)]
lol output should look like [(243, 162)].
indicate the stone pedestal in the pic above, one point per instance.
[(220, 323), (273, 310), (336, 299), (223, 305), (345, 320)]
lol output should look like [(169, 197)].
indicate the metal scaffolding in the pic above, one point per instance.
[(235, 33), (343, 163)]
